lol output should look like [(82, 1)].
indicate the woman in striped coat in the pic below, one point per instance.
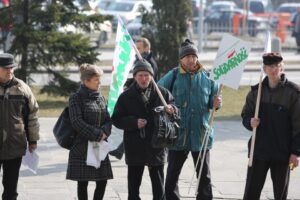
[(90, 118)]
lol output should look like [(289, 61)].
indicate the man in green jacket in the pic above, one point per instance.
[(194, 94), (19, 125)]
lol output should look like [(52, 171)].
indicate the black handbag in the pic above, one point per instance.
[(63, 130), (166, 128)]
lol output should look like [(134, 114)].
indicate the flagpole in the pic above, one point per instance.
[(256, 116), (141, 58), (205, 142), (267, 48)]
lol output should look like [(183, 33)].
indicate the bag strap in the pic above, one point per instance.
[(101, 98), (175, 72)]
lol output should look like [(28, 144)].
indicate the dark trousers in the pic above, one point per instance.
[(98, 193), (176, 160), (135, 174), (256, 176), (10, 178)]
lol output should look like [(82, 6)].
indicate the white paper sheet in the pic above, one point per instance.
[(31, 160), (97, 151)]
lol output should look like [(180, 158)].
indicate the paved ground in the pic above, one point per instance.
[(228, 166)]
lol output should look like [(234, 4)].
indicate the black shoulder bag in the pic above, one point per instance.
[(166, 128), (63, 131)]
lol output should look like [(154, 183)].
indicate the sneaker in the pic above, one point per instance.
[(116, 154)]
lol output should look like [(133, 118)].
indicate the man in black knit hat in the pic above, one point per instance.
[(134, 114), (144, 47), (194, 95)]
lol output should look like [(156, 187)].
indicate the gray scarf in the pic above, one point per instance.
[(145, 93)]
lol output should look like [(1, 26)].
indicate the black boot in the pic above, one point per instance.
[(118, 152)]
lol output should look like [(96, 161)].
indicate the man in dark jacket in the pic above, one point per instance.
[(144, 47), (277, 144), (19, 125), (134, 114)]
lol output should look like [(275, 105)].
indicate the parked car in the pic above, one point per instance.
[(260, 6), (127, 10), (103, 5), (216, 6), (135, 27), (98, 35), (288, 8), (256, 6), (222, 21)]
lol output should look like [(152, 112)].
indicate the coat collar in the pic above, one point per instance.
[(9, 84), (182, 70), (88, 93), (282, 82)]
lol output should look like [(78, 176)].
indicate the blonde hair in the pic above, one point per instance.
[(88, 71)]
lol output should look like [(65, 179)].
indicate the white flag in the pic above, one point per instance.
[(124, 56)]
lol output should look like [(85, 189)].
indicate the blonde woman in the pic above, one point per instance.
[(90, 118)]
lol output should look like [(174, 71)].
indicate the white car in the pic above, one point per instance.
[(288, 8), (98, 35), (218, 5), (127, 10)]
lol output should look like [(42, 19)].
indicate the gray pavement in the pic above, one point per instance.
[(228, 169)]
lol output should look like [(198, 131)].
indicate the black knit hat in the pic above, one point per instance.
[(7, 60), (142, 65), (188, 48), (272, 58)]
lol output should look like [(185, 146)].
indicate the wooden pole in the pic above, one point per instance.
[(256, 116), (204, 144), (267, 48)]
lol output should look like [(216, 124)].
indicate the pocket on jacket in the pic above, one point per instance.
[(180, 96), (203, 94), (18, 136)]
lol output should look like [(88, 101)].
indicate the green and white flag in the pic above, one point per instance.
[(124, 56)]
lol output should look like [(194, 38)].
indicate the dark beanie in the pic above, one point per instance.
[(142, 65), (7, 60), (272, 58), (187, 48)]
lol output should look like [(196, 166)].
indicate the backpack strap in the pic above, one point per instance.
[(175, 72)]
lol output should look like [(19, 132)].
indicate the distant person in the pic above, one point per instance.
[(19, 126), (90, 118), (277, 143), (296, 32), (189, 32), (144, 47), (134, 113), (195, 95)]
